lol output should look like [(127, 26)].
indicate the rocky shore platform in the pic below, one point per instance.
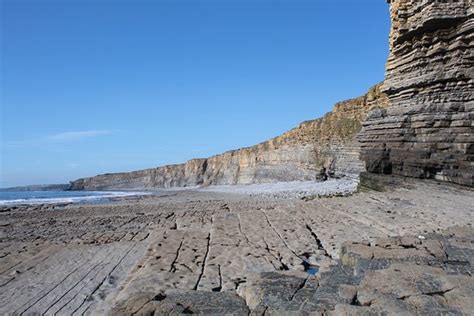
[(397, 246)]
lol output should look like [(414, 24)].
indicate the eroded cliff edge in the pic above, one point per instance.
[(298, 154), (427, 130)]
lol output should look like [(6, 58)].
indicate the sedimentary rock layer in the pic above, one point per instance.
[(427, 130), (296, 155), (419, 121)]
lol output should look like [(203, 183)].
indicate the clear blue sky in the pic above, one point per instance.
[(101, 86)]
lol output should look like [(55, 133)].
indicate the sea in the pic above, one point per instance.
[(53, 197)]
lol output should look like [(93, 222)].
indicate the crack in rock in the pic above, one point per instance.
[(209, 237)]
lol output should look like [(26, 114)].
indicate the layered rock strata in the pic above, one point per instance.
[(418, 123), (296, 155), (427, 130)]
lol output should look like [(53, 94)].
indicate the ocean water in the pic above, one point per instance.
[(49, 197)]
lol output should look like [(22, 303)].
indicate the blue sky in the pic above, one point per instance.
[(90, 87)]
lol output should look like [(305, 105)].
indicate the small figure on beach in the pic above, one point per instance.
[(323, 176)]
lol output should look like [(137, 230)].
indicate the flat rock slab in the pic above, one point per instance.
[(413, 275), (396, 277), (250, 252), (67, 280), (183, 302)]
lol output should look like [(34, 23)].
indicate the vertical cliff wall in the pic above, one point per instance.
[(298, 154), (427, 129), (419, 123)]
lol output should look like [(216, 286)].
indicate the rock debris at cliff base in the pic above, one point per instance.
[(292, 189), (216, 253)]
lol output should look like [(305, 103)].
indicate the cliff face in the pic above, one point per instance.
[(417, 124), (426, 131), (296, 155)]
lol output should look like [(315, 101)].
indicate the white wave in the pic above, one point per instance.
[(74, 199)]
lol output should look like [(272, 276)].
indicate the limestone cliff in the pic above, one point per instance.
[(296, 155), (418, 123), (427, 129)]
